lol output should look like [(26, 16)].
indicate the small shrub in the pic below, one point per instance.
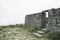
[(31, 28), (11, 25), (20, 25), (54, 36), (1, 29)]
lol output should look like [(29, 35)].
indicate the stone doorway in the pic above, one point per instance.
[(46, 19)]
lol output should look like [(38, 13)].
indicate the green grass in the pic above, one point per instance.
[(20, 31)]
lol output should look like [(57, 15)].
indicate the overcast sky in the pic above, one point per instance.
[(14, 11)]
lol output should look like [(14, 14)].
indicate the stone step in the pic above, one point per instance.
[(40, 32), (39, 35), (44, 29)]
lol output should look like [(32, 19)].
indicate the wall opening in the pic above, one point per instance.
[(46, 14), (46, 19)]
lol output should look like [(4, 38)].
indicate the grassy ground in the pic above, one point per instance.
[(18, 33)]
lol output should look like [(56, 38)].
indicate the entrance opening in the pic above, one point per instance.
[(46, 14), (46, 19)]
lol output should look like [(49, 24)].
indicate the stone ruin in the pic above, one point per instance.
[(40, 20)]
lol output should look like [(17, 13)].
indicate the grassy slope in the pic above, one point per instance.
[(17, 33)]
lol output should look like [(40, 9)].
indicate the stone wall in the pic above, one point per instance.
[(54, 20), (54, 23), (38, 20)]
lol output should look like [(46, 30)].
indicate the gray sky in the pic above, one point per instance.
[(14, 11)]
